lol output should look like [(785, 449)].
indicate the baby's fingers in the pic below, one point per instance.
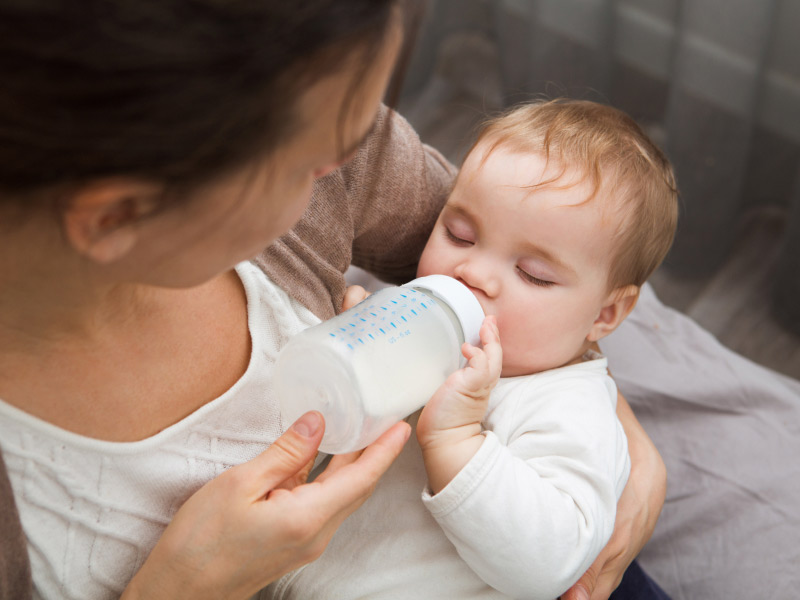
[(489, 358), (490, 338), (473, 354), (490, 334)]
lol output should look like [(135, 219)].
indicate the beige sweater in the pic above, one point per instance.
[(375, 212)]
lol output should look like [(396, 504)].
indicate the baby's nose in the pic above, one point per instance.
[(479, 276)]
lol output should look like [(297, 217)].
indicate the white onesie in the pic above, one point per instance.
[(527, 515)]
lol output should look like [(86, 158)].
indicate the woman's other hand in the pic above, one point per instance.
[(260, 520), (353, 295), (637, 512)]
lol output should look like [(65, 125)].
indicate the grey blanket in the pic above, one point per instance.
[(729, 432)]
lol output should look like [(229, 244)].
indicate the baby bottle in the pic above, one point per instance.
[(378, 362)]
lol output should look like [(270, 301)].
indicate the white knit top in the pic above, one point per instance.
[(92, 510)]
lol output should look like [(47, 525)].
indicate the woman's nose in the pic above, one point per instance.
[(480, 275)]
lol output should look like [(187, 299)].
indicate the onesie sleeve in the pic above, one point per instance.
[(536, 505)]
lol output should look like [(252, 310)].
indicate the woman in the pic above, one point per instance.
[(145, 149)]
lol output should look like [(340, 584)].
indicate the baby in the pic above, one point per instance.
[(560, 213)]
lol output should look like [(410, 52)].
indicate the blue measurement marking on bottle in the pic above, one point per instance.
[(374, 321)]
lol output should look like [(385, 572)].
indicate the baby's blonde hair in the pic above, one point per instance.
[(610, 149)]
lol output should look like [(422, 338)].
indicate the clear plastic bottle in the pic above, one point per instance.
[(378, 362)]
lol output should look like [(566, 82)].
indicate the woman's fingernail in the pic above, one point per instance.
[(582, 593), (308, 424)]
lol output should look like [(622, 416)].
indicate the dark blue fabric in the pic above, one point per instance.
[(637, 585)]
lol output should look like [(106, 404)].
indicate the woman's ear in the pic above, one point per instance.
[(618, 305), (101, 220)]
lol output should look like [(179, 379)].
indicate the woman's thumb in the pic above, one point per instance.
[(287, 456), (576, 592), (582, 590)]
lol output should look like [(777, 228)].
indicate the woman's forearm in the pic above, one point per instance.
[(637, 512), (648, 471), (644, 495)]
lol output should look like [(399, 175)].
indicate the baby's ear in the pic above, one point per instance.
[(618, 305)]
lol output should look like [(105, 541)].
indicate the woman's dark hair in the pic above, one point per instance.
[(174, 91)]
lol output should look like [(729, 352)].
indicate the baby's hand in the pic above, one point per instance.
[(462, 399), (449, 427), (478, 378)]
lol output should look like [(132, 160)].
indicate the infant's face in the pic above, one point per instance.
[(537, 259)]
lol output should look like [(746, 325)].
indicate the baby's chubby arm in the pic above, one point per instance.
[(449, 429)]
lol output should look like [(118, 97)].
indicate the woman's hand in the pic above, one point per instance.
[(353, 295), (260, 520), (637, 512)]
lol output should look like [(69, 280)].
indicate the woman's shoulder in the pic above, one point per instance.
[(376, 212)]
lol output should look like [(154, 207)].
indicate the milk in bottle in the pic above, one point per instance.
[(378, 362)]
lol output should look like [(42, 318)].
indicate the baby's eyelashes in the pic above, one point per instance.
[(452, 237), (533, 279)]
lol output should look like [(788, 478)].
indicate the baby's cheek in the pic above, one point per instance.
[(526, 350), (426, 262), (513, 355)]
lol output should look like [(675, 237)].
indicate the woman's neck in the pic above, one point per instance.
[(119, 362), (52, 296), (105, 358), (42, 305)]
